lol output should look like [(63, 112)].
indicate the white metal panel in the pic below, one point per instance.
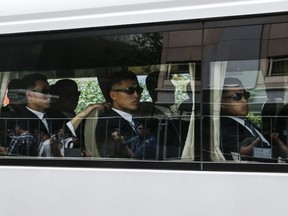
[(107, 192), (17, 16)]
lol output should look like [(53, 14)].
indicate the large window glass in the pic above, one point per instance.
[(211, 91), (244, 103)]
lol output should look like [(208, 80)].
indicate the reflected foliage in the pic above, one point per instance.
[(90, 93), (256, 119), (146, 47)]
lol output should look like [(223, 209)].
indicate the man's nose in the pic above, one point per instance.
[(244, 100), (136, 94)]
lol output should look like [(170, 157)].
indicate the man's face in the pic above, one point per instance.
[(39, 98), (68, 98), (123, 101), (234, 102)]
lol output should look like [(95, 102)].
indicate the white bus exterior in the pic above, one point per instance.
[(77, 189)]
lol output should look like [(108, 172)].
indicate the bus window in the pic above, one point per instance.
[(242, 55), (89, 60), (181, 71)]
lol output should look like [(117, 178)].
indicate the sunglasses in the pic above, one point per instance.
[(239, 96), (130, 90), (42, 91)]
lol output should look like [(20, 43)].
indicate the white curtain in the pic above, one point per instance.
[(89, 134), (217, 75), (4, 78), (189, 148)]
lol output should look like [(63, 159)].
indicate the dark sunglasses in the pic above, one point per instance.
[(130, 90), (42, 91), (238, 96)]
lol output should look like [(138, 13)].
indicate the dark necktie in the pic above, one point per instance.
[(251, 127), (136, 123)]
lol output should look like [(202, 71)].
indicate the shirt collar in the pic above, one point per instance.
[(40, 115), (125, 115), (238, 119)]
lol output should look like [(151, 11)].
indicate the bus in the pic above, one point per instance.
[(191, 46)]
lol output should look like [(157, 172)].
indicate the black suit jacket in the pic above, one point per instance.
[(109, 122), (233, 136), (34, 124), (32, 121)]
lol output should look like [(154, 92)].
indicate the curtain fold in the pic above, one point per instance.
[(4, 78), (189, 147), (89, 134), (217, 76)]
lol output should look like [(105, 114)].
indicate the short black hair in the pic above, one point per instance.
[(63, 83), (118, 77), (14, 84), (14, 87), (29, 81)]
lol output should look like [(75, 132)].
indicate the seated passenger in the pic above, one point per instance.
[(67, 91), (36, 113), (116, 127), (66, 100), (38, 102), (239, 137)]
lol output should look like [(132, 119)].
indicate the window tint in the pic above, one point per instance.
[(193, 92)]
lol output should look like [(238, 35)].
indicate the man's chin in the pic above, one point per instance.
[(47, 106), (134, 107)]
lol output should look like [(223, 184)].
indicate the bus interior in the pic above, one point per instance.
[(191, 61)]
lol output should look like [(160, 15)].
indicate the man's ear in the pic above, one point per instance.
[(112, 95), (28, 95)]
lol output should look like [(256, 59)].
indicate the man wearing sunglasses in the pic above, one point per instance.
[(36, 113), (240, 139), (116, 127), (38, 100)]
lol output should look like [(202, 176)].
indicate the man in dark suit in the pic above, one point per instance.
[(240, 139), (38, 101), (116, 129), (38, 118), (36, 114)]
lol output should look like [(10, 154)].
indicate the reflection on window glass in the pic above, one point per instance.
[(244, 117), (278, 67), (213, 94), (180, 83)]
